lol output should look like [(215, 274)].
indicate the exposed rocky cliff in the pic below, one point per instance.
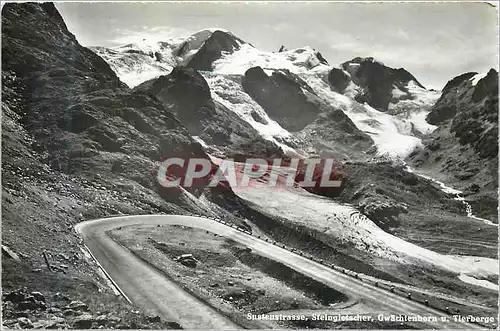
[(212, 49), (283, 97), (464, 149), (78, 112), (339, 79), (380, 84), (186, 93), (77, 144), (291, 102)]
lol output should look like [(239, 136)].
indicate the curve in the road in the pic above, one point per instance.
[(152, 291)]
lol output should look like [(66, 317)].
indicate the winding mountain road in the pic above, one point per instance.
[(156, 294)]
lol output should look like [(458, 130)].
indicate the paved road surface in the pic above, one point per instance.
[(157, 295)]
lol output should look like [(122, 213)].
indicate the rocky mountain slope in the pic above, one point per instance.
[(464, 148), (359, 111), (215, 45), (379, 84), (79, 143), (186, 94)]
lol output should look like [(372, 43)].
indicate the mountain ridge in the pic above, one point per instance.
[(79, 144), (368, 84)]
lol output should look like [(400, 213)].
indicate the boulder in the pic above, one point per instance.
[(15, 296), (61, 297), (38, 296), (9, 253), (77, 305), (24, 323), (153, 319), (83, 321), (187, 259), (31, 304)]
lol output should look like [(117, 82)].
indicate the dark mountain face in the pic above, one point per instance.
[(477, 124), (77, 143), (321, 58), (294, 105), (487, 87), (338, 79), (465, 146), (456, 81), (377, 80), (77, 110), (334, 135), (282, 97), (471, 111), (212, 50), (446, 107), (48, 46), (186, 93)]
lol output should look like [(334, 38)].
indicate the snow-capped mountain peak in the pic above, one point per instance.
[(300, 60), (388, 104), (144, 59), (194, 42), (138, 62)]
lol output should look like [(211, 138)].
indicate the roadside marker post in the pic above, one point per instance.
[(333, 266)]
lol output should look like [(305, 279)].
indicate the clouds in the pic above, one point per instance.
[(154, 34), (434, 41)]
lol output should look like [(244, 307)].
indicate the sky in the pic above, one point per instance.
[(434, 41)]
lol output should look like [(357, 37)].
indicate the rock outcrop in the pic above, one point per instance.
[(389, 195), (338, 79), (284, 96), (282, 49), (321, 59), (294, 105), (78, 144), (186, 94), (55, 313), (465, 146), (333, 134), (212, 49), (378, 81)]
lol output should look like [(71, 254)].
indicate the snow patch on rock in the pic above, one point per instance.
[(136, 63), (476, 78), (230, 93), (296, 60), (392, 135)]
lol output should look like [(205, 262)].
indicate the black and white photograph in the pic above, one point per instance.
[(249, 165)]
